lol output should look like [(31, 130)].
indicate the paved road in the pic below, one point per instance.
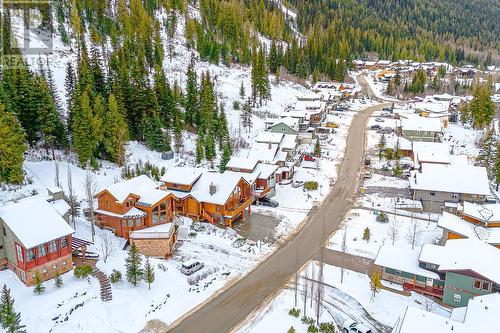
[(233, 305), (349, 261), (365, 86)]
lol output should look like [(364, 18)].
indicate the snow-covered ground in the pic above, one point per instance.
[(359, 219), (77, 307), (342, 301)]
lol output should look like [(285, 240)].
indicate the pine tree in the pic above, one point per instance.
[(115, 133), (366, 234), (209, 148), (486, 156), (9, 319), (191, 107), (85, 130), (242, 91), (222, 130), (133, 265), (199, 147), (178, 134), (497, 166), (482, 107), (12, 148), (381, 146), (149, 273), (39, 287), (317, 148), (58, 282), (226, 156)]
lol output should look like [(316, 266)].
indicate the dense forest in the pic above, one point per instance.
[(410, 29)]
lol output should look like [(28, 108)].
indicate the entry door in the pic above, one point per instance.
[(429, 282)]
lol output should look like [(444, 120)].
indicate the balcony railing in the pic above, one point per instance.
[(427, 290)]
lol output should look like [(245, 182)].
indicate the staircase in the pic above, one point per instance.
[(106, 294)]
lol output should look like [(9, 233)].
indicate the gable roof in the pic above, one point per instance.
[(182, 175), (137, 185), (266, 137), (34, 221), (466, 229), (242, 163), (485, 213), (451, 178), (264, 152), (224, 186), (417, 123), (402, 259), (464, 254)]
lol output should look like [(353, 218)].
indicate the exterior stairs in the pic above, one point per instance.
[(106, 293)]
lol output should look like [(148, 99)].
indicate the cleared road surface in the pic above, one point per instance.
[(226, 310)]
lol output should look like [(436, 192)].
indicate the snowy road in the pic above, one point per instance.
[(227, 309)]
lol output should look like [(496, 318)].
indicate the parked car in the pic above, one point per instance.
[(491, 199), (379, 120), (376, 127), (297, 184), (368, 174), (268, 202), (309, 158), (331, 125), (350, 326), (191, 267)]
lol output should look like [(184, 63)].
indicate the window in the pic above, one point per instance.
[(64, 263), (163, 216), (124, 223), (54, 267), (457, 298), (31, 254), (138, 222), (399, 273), (485, 286), (432, 194), (130, 223), (64, 243), (477, 284), (23, 276), (42, 251), (155, 217), (454, 196), (19, 252), (53, 247), (107, 204), (4, 231), (44, 270)]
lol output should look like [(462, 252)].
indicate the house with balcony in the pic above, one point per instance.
[(133, 204), (34, 238), (211, 196), (417, 128), (454, 272)]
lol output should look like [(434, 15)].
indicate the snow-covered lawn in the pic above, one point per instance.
[(342, 301), (77, 307), (359, 219), (386, 181)]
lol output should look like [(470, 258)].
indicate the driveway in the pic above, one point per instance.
[(231, 306)]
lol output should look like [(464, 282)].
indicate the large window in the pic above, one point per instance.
[(155, 216), (53, 247), (138, 222), (481, 285), (457, 298), (42, 251)]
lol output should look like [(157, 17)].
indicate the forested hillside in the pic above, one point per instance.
[(409, 29)]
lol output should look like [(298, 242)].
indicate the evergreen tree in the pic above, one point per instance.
[(178, 134), (486, 156), (115, 133), (482, 107), (223, 131), (199, 147), (389, 88), (209, 148), (58, 282), (133, 265), (226, 156), (149, 273), (497, 166), (191, 108), (85, 130), (12, 148), (317, 148), (39, 287), (381, 146), (9, 319)]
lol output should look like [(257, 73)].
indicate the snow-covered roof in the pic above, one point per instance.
[(431, 157), (289, 141), (264, 152), (151, 196), (242, 163), (54, 189), (34, 221), (266, 170), (417, 123), (61, 206), (451, 178), (224, 186), (160, 231), (291, 122), (181, 175), (137, 185), (486, 213), (430, 147), (466, 229), (250, 177), (266, 137), (134, 212), (402, 259), (310, 106), (456, 255), (480, 315)]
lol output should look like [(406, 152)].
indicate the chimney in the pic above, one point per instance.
[(212, 189)]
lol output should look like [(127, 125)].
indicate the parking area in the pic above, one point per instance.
[(257, 227)]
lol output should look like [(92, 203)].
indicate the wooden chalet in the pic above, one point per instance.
[(132, 205), (208, 196), (35, 238)]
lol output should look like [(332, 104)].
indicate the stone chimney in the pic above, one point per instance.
[(212, 189), (55, 193)]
